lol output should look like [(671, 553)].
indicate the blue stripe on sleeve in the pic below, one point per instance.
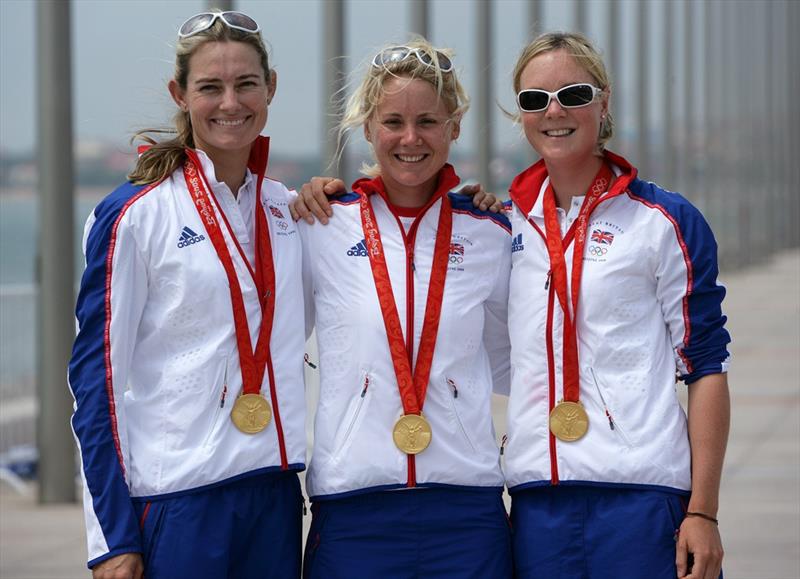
[(463, 203), (92, 420), (706, 349)]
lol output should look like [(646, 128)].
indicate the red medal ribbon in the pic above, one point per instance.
[(253, 363), (412, 388), (558, 266)]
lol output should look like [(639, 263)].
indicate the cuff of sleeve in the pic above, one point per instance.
[(113, 553)]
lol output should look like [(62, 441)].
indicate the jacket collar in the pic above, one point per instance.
[(527, 186)]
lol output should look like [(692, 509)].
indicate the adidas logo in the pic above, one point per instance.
[(516, 244), (189, 237), (358, 250)]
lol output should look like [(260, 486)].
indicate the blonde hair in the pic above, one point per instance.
[(368, 94), (162, 158), (587, 57)]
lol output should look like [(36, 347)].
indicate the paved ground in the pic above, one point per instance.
[(760, 504)]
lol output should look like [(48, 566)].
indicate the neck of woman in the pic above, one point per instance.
[(230, 168), (410, 197), (570, 180)]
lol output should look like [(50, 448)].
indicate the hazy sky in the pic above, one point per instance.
[(123, 56)]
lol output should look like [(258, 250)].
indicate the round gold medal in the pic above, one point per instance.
[(569, 421), (412, 434), (251, 413)]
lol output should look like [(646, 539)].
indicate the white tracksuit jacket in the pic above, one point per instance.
[(649, 309), (156, 347), (359, 400)]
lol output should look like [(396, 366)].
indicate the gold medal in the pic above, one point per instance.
[(569, 421), (412, 434), (251, 413)]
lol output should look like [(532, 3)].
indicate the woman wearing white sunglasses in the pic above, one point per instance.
[(407, 286), (607, 477), (187, 368)]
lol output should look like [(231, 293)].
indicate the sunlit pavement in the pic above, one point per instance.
[(760, 504)]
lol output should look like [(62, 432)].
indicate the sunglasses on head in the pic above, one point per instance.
[(397, 54), (205, 20), (533, 100)]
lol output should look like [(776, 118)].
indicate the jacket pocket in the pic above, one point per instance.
[(613, 423), (220, 402), (454, 404), (355, 416), (151, 523)]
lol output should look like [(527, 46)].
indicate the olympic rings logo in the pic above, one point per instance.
[(456, 259), (597, 250)]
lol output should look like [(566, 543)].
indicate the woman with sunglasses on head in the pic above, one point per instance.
[(407, 287), (187, 368), (607, 477)]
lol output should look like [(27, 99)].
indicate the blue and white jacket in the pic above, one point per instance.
[(649, 312), (155, 366), (359, 401)]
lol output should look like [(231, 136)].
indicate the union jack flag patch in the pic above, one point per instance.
[(276, 212), (604, 237), (456, 249)]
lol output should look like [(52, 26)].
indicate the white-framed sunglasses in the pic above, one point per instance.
[(534, 100), (205, 20), (396, 54)]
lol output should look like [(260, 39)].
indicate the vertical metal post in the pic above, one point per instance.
[(669, 134), (642, 90), (793, 140), (221, 5), (580, 16), (615, 62), (56, 224), (709, 134), (483, 102), (333, 96), (689, 149), (535, 19), (420, 18)]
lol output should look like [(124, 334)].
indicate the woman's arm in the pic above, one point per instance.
[(709, 423)]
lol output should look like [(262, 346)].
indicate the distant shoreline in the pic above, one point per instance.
[(27, 193)]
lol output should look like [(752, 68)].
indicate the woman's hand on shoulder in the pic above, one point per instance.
[(312, 200), (481, 198), (125, 566)]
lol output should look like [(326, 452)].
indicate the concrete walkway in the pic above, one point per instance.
[(760, 503)]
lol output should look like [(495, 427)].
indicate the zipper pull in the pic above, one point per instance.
[(309, 362), (503, 442), (453, 386), (366, 385), (603, 400), (610, 420), (547, 281), (224, 388)]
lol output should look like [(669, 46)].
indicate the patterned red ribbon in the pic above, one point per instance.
[(558, 266), (412, 389), (253, 363)]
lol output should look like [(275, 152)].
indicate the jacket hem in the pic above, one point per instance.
[(597, 484), (397, 486), (277, 469)]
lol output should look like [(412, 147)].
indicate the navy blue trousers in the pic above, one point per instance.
[(439, 533), (568, 532), (246, 529)]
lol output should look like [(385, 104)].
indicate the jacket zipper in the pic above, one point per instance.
[(409, 243), (551, 379)]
